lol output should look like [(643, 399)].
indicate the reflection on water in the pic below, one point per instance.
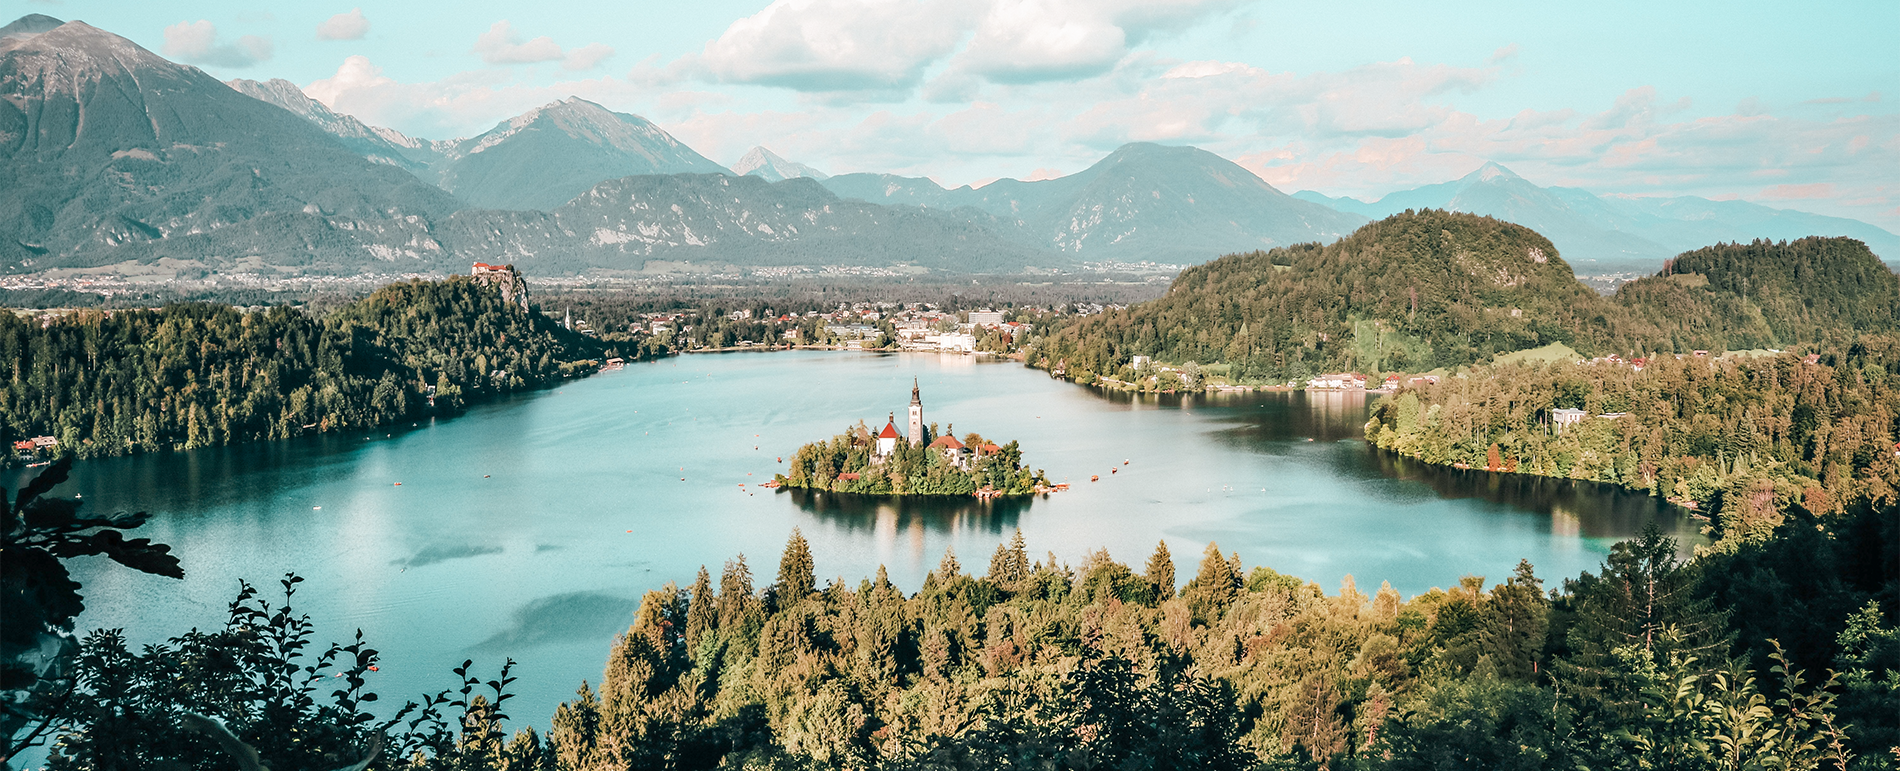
[(950, 515), (530, 528), (1577, 509), (892, 521)]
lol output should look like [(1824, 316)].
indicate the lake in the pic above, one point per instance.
[(529, 528)]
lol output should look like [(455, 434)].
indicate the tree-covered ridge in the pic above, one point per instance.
[(1780, 654), (1767, 294), (849, 463), (195, 375), (1429, 289), (1740, 440), (1413, 292), (1037, 664)]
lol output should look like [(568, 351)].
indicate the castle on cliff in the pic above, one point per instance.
[(505, 279)]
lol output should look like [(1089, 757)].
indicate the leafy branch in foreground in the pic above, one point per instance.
[(39, 598)]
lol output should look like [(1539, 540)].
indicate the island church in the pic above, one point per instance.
[(954, 451), (887, 439)]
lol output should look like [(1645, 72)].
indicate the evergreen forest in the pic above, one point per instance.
[(186, 375), (1780, 653), (1433, 290), (1738, 441)]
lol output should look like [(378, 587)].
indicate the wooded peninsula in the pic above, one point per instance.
[(187, 375)]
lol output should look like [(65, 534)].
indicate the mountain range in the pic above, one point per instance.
[(1617, 233), (107, 149), (116, 158), (1142, 202)]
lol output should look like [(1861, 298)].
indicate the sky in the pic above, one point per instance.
[(1793, 105)]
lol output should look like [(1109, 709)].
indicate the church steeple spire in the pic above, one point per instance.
[(916, 414)]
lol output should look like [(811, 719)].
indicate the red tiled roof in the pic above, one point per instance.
[(946, 441), (889, 432), (992, 448), (848, 477)]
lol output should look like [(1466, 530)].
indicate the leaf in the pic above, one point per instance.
[(35, 587), (54, 514), (138, 554), (52, 477)]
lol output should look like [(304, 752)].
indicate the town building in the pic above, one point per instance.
[(1343, 381), (952, 450), (986, 318), (1562, 417)]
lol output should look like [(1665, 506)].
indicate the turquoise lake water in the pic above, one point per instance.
[(530, 528)]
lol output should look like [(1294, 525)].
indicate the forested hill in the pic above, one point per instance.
[(1767, 295), (1429, 289), (1412, 292), (195, 374)]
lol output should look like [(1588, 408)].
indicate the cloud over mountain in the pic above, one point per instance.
[(873, 45), (197, 42), (501, 44)]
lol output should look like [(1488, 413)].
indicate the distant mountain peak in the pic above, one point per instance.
[(546, 156), (580, 119), (378, 144), (71, 57), (760, 162), (1492, 171), (29, 25)]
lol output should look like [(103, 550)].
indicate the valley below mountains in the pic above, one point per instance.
[(115, 161)]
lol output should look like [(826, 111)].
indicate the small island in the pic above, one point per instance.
[(919, 462)]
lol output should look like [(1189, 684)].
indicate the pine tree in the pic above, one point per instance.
[(573, 740), (882, 588), (948, 568), (702, 616), (1161, 572), (735, 594), (795, 572), (1213, 588), (1009, 568), (1517, 619)]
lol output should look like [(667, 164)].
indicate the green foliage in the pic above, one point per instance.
[(195, 375), (1740, 441), (849, 463), (1425, 290), (250, 695), (1041, 665), (1766, 294), (1413, 292), (39, 598)]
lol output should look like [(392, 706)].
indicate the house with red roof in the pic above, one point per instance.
[(952, 450)]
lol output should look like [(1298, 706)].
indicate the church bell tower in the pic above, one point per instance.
[(916, 415)]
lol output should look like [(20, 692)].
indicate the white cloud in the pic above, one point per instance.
[(197, 42), (344, 26), (463, 104), (833, 45), (502, 45), (881, 45), (585, 57), (1026, 41), (1363, 131)]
